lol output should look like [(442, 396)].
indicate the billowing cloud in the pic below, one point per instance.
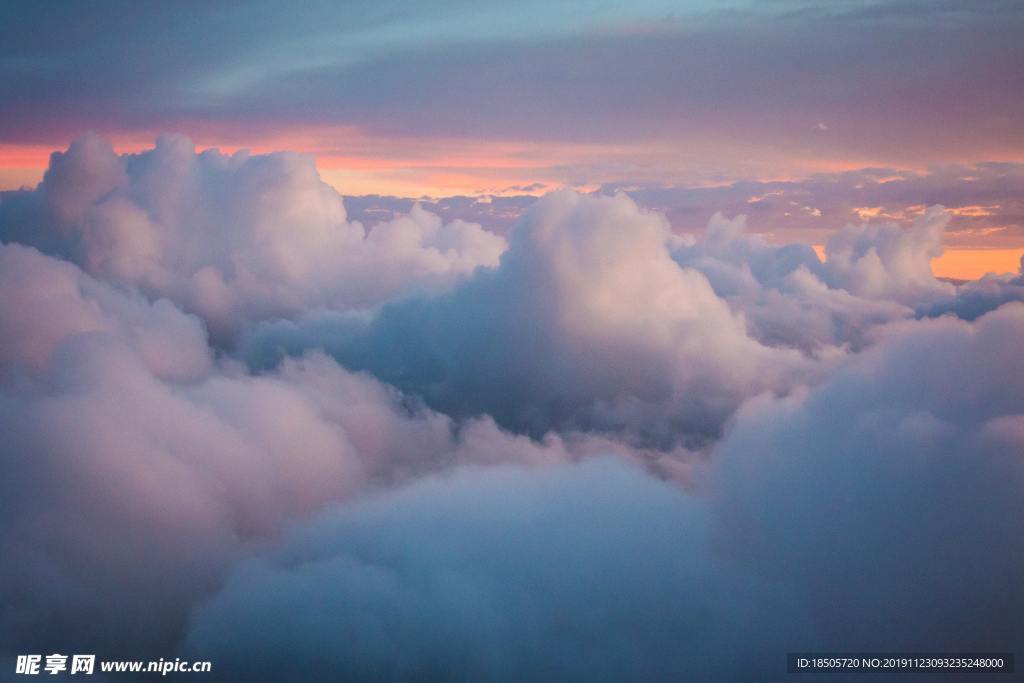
[(873, 274), (232, 238), (596, 571), (137, 468), (830, 520), (600, 318), (788, 296), (587, 323), (889, 262), (47, 301), (897, 481)]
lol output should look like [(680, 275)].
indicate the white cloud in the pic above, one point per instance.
[(788, 296), (890, 262), (138, 469), (47, 301), (891, 493), (587, 323), (233, 238)]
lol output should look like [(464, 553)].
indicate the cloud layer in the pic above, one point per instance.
[(983, 199), (240, 426), (832, 521), (596, 571), (587, 322)]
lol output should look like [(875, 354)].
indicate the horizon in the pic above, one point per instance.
[(481, 100)]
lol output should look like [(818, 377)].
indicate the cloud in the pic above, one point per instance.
[(829, 520), (888, 262), (127, 499), (595, 571), (47, 301), (587, 323), (984, 201), (125, 496), (787, 295), (138, 468), (498, 214), (599, 318), (894, 483), (232, 238)]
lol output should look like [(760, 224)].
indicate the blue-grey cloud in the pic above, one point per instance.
[(137, 468), (895, 482), (598, 317), (593, 572), (877, 512), (750, 79), (587, 322)]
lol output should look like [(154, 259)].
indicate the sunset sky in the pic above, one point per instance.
[(478, 98)]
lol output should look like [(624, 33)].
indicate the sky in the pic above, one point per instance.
[(457, 99), (556, 340)]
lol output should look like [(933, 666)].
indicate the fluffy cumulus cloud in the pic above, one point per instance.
[(126, 492), (46, 301), (587, 323), (137, 468), (596, 571), (830, 520), (789, 297), (599, 317), (890, 262), (232, 238), (892, 493), (239, 426)]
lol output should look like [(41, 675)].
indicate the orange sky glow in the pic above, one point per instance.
[(968, 264)]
